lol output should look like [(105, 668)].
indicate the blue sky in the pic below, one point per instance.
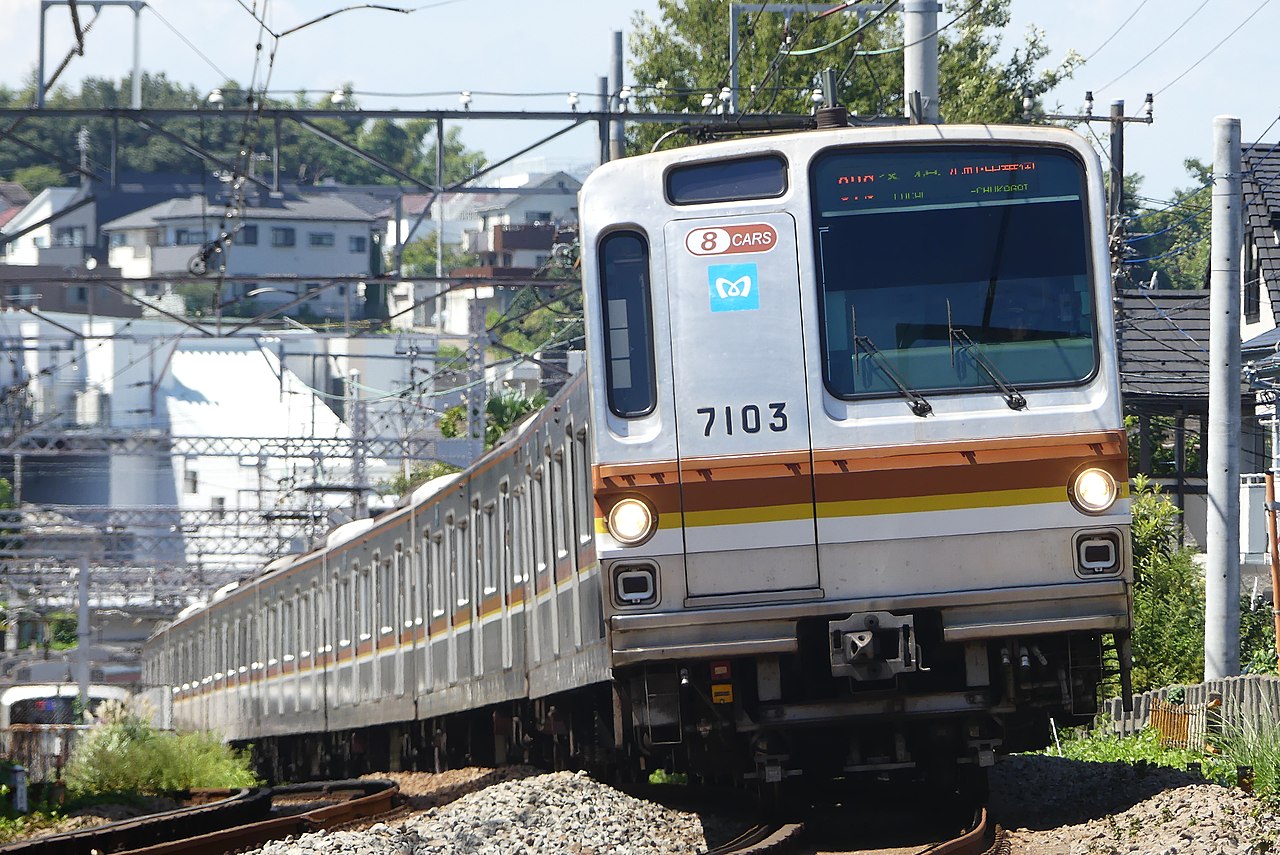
[(537, 46)]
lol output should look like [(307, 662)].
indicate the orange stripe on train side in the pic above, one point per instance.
[(613, 477)]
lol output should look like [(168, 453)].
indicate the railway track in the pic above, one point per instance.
[(225, 821), (793, 839)]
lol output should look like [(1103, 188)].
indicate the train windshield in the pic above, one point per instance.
[(952, 266)]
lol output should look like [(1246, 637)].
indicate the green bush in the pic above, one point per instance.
[(125, 754), (1102, 745), (1168, 596)]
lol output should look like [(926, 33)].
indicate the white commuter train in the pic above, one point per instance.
[(844, 492)]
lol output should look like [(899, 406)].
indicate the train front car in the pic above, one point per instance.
[(860, 471)]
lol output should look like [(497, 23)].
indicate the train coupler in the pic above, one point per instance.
[(873, 646)]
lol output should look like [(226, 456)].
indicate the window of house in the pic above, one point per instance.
[(80, 294), (188, 237), (531, 217), (118, 239), (321, 238), (191, 481), (312, 288), (68, 236), (247, 236), (283, 236), (357, 243), (218, 504)]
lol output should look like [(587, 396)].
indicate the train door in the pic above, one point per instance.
[(742, 426)]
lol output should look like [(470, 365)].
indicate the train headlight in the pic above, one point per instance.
[(631, 521), (1094, 491)]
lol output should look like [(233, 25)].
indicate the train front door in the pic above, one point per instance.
[(742, 425)]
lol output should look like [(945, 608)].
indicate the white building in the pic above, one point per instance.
[(212, 437), (65, 240), (312, 237)]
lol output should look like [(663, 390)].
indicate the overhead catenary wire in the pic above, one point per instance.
[(1213, 49), (1159, 45), (1117, 31), (152, 9)]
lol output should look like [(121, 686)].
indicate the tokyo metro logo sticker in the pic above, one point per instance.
[(734, 287)]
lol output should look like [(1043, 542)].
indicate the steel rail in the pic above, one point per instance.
[(218, 825)]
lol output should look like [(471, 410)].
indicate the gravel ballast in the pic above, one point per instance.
[(1051, 806), (562, 812), (1068, 807)]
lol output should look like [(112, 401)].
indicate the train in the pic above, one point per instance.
[(842, 493)]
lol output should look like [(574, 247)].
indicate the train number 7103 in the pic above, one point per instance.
[(747, 419)]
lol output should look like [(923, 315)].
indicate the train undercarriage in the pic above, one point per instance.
[(871, 696)]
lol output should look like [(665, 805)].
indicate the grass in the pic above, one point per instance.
[(1236, 745), (126, 754)]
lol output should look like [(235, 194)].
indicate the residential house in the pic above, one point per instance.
[(39, 236), (312, 237), (511, 232)]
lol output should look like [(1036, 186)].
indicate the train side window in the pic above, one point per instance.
[(462, 562), (582, 469), (289, 627), (437, 576), (762, 177), (538, 522), (364, 607), (489, 562), (403, 574), (628, 324), (569, 516), (503, 525), (515, 532), (558, 547), (344, 612), (386, 598)]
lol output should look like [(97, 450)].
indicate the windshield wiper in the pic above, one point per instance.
[(918, 404), (1012, 396)]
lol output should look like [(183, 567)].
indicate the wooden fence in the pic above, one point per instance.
[(1183, 714)]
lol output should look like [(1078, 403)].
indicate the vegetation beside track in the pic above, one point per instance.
[(126, 754), (1236, 745)]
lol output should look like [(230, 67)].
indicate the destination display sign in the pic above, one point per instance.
[(855, 182)]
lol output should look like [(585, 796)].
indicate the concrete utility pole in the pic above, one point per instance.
[(1116, 199), (475, 394), (920, 61), (618, 134), (1222, 572), (603, 90), (83, 633)]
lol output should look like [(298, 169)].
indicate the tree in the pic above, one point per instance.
[(418, 258), (685, 55), (501, 413), (407, 144), (37, 178), (419, 474), (1171, 240)]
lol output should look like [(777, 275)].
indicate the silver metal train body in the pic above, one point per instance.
[(848, 493)]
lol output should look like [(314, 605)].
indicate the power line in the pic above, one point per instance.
[(1123, 24), (1163, 42), (1215, 47), (189, 43)]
